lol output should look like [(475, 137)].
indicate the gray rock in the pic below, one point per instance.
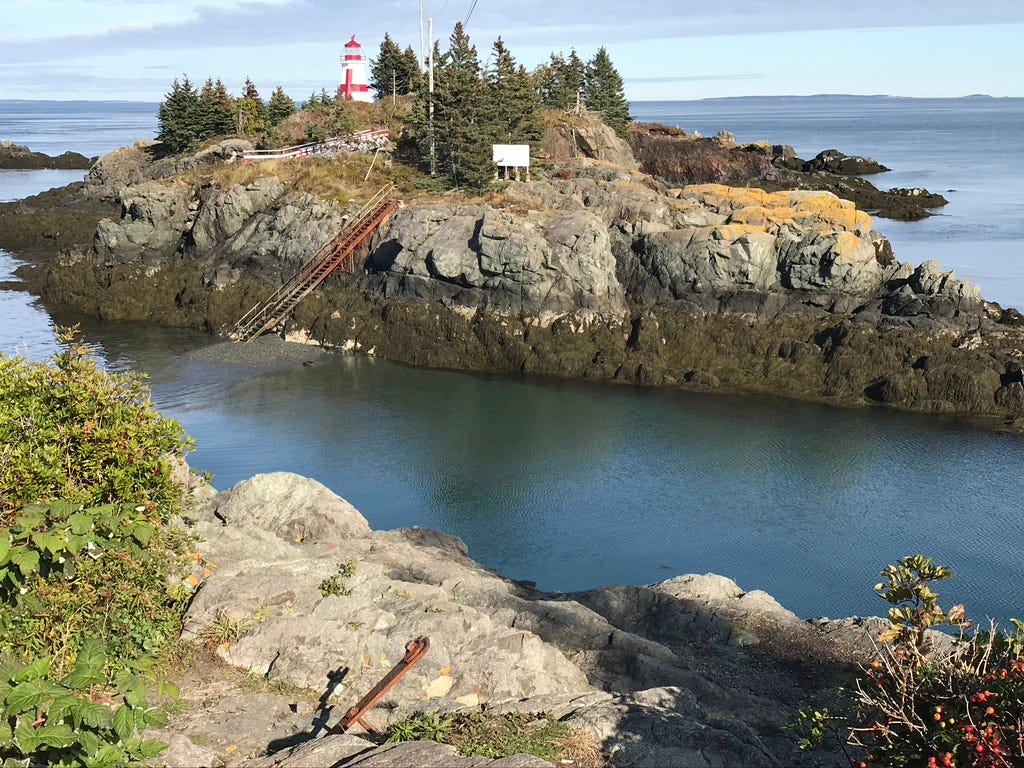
[(292, 508), (478, 256), (273, 544)]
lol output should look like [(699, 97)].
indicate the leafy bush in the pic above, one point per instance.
[(90, 569), (928, 702), (75, 433), (68, 722)]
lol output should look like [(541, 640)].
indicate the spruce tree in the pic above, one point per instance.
[(384, 70), (413, 70), (514, 108), (249, 112), (561, 80), (462, 136), (280, 107), (179, 116), (214, 110), (603, 92)]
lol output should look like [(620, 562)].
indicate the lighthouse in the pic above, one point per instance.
[(354, 85)]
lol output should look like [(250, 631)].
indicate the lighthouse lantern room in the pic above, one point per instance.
[(354, 84)]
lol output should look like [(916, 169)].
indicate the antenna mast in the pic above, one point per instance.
[(423, 54), (430, 89)]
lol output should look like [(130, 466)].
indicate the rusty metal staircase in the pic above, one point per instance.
[(338, 254)]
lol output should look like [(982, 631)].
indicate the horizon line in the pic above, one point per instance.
[(631, 101)]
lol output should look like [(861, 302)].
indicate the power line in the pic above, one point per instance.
[(472, 8)]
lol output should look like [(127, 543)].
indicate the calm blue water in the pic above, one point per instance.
[(961, 148), (578, 485)]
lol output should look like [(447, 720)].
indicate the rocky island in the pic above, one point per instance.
[(15, 157), (595, 269)]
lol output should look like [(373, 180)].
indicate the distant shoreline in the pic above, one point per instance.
[(710, 99)]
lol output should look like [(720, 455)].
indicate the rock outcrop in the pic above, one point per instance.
[(18, 158), (689, 672), (676, 158), (583, 136), (834, 161)]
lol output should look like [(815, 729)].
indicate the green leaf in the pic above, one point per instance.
[(80, 524), (170, 690), (135, 695), (124, 722), (24, 697), (93, 653), (5, 546), (37, 670), (49, 542), (61, 510), (143, 532), (27, 560), (150, 748), (96, 715), (58, 735), (90, 741), (155, 718), (25, 737), (108, 754), (82, 678)]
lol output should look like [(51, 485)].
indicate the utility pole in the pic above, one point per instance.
[(430, 99), (423, 54)]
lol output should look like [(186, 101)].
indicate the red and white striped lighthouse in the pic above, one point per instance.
[(354, 84)]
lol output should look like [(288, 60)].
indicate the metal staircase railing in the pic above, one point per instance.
[(336, 254)]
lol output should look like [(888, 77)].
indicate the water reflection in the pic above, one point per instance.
[(577, 485)]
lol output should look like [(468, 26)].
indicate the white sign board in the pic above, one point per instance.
[(512, 155)]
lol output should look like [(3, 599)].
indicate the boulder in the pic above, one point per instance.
[(482, 257), (834, 161), (573, 136)]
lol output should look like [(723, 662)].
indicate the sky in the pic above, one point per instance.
[(664, 49)]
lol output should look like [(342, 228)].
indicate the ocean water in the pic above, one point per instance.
[(91, 128), (577, 485), (961, 148)]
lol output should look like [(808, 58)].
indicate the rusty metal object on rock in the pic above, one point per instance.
[(415, 650)]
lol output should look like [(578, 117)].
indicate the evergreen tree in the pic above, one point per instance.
[(462, 136), (384, 72), (514, 108), (179, 116), (561, 80), (214, 110), (280, 107), (414, 72), (249, 112), (394, 71), (603, 92)]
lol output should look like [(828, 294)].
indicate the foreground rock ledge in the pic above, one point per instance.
[(689, 672)]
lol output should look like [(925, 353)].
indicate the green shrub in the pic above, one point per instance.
[(70, 431), (91, 571), (68, 722), (924, 704)]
